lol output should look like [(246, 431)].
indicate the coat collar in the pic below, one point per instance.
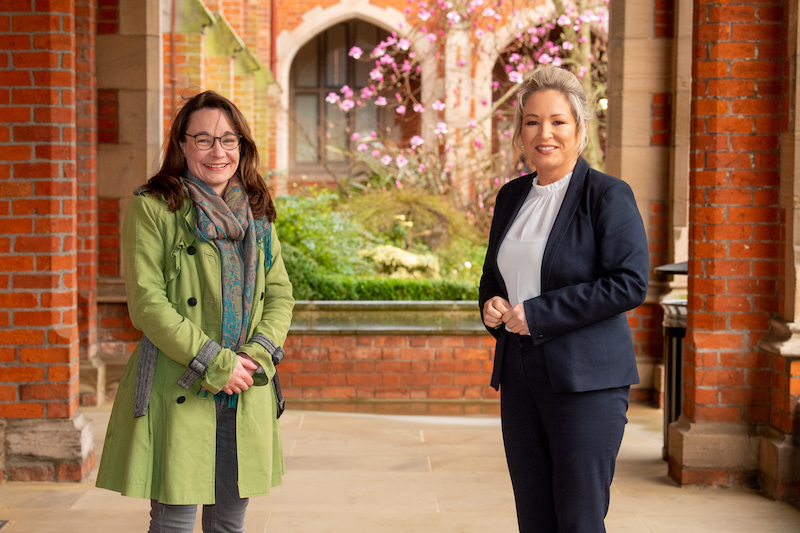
[(185, 232)]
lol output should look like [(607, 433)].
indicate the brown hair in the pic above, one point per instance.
[(166, 184)]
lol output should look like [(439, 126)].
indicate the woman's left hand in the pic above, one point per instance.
[(515, 320), (242, 377)]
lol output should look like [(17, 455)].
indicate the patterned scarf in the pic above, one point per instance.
[(228, 222)]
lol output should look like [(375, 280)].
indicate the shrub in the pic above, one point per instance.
[(320, 233), (329, 256)]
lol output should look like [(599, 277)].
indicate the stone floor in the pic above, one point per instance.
[(357, 472)]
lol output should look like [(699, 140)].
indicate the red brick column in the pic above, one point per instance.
[(734, 241), (86, 107), (39, 346)]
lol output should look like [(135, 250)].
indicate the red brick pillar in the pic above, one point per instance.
[(734, 241), (86, 175), (45, 436)]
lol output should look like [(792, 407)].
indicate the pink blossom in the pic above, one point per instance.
[(480, 34), (453, 17), (556, 61), (367, 92), (378, 51), (496, 182), (424, 15), (376, 154), (567, 45), (332, 98), (514, 58), (484, 101), (438, 105), (404, 44), (544, 59), (422, 168), (406, 66), (347, 105), (495, 84), (385, 60), (418, 108), (362, 147), (583, 39), (441, 128), (472, 123), (398, 96), (375, 75), (478, 143), (355, 136), (564, 20), (347, 92), (432, 37), (373, 134), (416, 141), (401, 161), (460, 62), (401, 110), (355, 52), (386, 159), (515, 77), (488, 12), (380, 101)]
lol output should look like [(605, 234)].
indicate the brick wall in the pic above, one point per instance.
[(86, 122), (108, 116), (396, 367), (661, 119), (664, 25), (107, 17), (39, 168), (734, 242)]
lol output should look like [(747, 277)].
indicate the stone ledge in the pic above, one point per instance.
[(354, 317), (388, 317), (714, 445), (55, 449)]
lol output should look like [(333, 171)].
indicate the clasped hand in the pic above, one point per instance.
[(498, 311), (242, 377)]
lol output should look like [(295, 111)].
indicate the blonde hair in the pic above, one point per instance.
[(565, 82)]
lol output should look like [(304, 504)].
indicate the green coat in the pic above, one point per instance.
[(168, 454)]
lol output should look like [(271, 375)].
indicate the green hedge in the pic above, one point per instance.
[(311, 283)]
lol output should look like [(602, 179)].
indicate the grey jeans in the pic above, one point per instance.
[(227, 514)]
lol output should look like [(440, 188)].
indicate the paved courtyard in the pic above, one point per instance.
[(357, 472)]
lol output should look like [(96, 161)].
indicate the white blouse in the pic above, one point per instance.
[(520, 256)]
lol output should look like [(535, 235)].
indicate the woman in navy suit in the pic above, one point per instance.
[(567, 257)]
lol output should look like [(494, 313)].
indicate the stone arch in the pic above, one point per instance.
[(316, 21)]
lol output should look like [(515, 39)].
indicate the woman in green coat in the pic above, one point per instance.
[(195, 418)]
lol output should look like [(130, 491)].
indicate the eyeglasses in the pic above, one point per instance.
[(203, 141)]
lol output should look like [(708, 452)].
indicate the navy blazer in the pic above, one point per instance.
[(595, 268)]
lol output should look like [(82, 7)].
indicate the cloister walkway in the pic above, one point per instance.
[(379, 473)]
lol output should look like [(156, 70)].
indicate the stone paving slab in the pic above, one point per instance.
[(364, 472)]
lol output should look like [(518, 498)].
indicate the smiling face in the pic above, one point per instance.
[(215, 166), (550, 135)]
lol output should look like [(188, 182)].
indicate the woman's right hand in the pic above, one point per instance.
[(493, 311), (242, 377)]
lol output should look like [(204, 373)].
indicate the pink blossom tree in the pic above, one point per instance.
[(474, 55)]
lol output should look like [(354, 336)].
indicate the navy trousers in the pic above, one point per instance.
[(561, 447)]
